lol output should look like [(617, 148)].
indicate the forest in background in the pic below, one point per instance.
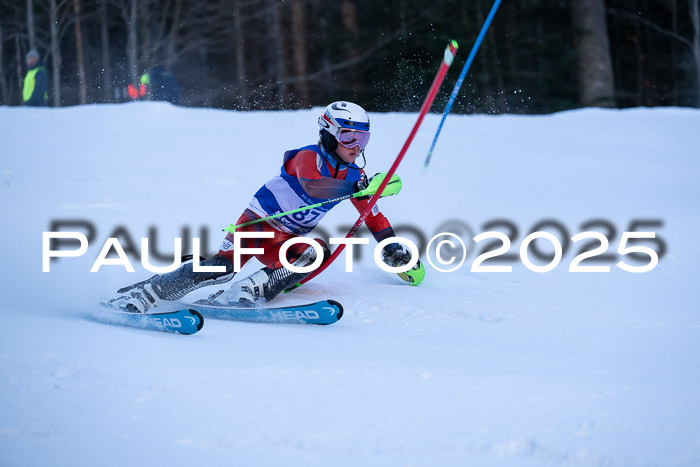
[(539, 56)]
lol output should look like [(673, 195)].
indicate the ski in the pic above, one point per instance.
[(322, 312), (180, 321)]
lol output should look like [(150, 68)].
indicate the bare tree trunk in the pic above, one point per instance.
[(347, 11), (511, 17), (31, 31), (239, 48), (3, 83), (595, 72), (56, 58), (131, 43), (484, 62), (239, 39), (498, 73), (300, 55), (323, 57), (172, 36), (672, 46), (640, 65), (144, 43), (82, 78), (18, 68), (695, 17), (277, 63), (106, 56)]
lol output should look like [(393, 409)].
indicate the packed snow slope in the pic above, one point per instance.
[(471, 368)]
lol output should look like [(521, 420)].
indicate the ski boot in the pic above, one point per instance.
[(137, 298), (267, 283), (395, 255), (146, 295)]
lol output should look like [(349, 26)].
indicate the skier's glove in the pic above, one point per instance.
[(370, 187), (360, 185), (395, 255)]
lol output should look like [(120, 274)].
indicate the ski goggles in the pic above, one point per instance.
[(352, 138)]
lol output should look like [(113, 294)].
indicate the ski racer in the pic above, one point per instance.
[(311, 174)]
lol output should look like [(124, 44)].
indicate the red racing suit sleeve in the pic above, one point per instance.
[(376, 222)]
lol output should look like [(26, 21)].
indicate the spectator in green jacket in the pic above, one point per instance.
[(35, 91)]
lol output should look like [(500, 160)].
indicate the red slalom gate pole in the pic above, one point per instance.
[(449, 56)]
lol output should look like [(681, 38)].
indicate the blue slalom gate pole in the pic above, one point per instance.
[(462, 75)]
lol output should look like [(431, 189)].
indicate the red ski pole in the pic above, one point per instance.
[(450, 52)]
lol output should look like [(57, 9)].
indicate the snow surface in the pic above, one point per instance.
[(503, 369)]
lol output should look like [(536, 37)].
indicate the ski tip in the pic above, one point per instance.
[(200, 322), (339, 314)]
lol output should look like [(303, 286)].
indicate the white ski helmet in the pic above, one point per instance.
[(342, 115)]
